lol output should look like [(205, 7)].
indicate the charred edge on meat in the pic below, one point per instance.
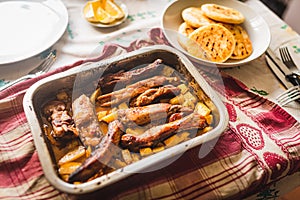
[(108, 82), (135, 89), (150, 113), (153, 95), (107, 148), (61, 122), (157, 134)]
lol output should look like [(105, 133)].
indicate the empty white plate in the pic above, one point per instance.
[(30, 27)]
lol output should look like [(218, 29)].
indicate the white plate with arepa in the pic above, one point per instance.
[(254, 25)]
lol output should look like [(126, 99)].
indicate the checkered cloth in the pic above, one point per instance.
[(261, 145)]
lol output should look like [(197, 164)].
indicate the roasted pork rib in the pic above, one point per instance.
[(109, 145), (156, 134), (107, 148), (86, 121), (153, 112), (108, 82), (62, 123), (134, 90), (150, 95)]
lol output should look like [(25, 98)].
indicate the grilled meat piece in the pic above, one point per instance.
[(152, 94), (86, 121), (99, 158), (175, 116), (146, 114), (62, 123), (156, 134), (54, 106), (108, 82), (134, 90)]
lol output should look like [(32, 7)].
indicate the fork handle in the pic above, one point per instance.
[(293, 78), (29, 76)]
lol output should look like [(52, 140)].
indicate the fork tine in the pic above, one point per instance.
[(49, 62), (46, 64), (286, 57), (288, 91), (42, 68), (283, 103), (288, 96), (282, 55), (292, 93)]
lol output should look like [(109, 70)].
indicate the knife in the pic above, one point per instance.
[(283, 73)]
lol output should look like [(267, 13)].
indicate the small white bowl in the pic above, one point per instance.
[(256, 27)]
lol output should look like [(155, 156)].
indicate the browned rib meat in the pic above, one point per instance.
[(54, 106), (108, 82), (175, 116), (134, 90), (101, 156), (86, 121), (156, 134), (146, 114), (150, 95), (59, 118)]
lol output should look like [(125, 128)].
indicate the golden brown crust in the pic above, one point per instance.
[(184, 31), (222, 13), (243, 45), (194, 17), (212, 42)]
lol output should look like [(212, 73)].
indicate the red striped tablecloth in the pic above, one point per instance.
[(261, 145)]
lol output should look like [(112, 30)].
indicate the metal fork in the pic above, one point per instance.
[(293, 93), (287, 59), (41, 69)]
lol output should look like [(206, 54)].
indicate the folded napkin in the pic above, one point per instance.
[(260, 146)]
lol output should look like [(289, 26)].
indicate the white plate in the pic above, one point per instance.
[(255, 25), (30, 27)]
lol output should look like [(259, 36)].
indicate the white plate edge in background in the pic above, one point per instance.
[(60, 11)]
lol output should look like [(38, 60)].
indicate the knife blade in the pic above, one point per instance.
[(283, 73), (280, 76)]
